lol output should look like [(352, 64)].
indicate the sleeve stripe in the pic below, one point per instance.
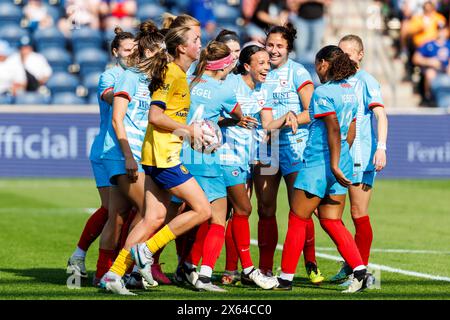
[(123, 94), (159, 103), (321, 115), (375, 104), (234, 108), (106, 91), (354, 120), (305, 84), (267, 108)]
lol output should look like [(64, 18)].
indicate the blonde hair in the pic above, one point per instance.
[(171, 21)]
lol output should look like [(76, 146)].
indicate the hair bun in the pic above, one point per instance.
[(148, 27), (291, 29), (118, 30)]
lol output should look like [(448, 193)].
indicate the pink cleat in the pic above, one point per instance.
[(159, 275)]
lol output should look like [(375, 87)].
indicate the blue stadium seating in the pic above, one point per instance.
[(226, 14), (10, 14), (5, 99), (83, 38), (62, 82), (49, 38), (55, 12), (90, 82), (92, 98), (91, 60), (150, 11), (32, 98), (12, 33), (58, 58), (67, 98)]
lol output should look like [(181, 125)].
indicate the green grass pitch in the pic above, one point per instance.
[(41, 220)]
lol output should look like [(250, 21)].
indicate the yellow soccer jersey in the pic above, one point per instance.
[(162, 148)]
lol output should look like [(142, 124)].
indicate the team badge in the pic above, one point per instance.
[(261, 102), (235, 173), (283, 82), (184, 169)]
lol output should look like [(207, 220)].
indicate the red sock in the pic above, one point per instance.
[(293, 245), (93, 228), (105, 261), (213, 245), (363, 237), (267, 241), (343, 240), (241, 236), (232, 257), (126, 228), (196, 252), (309, 250)]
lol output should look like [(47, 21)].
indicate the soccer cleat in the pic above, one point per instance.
[(342, 274), (359, 282), (159, 275), (204, 284), (314, 274), (230, 277), (190, 274), (256, 277), (96, 282), (76, 266), (144, 260), (135, 281), (179, 276), (348, 282), (114, 283), (283, 285)]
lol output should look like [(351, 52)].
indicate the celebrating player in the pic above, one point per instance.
[(369, 157), (327, 168), (121, 47)]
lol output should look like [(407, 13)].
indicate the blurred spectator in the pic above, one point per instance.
[(118, 13), (35, 11), (36, 67), (308, 18), (202, 10), (433, 57), (80, 13), (12, 74), (268, 13)]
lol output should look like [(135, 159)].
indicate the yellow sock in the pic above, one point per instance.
[(160, 239), (123, 261)]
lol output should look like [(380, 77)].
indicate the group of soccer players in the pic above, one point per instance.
[(156, 186)]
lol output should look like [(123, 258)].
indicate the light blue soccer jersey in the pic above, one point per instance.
[(209, 99), (332, 97), (369, 95), (134, 86), (240, 143), (106, 83), (285, 82)]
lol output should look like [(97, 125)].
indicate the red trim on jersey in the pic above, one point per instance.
[(305, 84), (267, 108), (375, 104), (321, 115), (234, 108), (354, 120), (123, 94), (106, 91)]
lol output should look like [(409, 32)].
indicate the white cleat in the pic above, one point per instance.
[(191, 275), (136, 281), (263, 281), (114, 283), (144, 260), (76, 266), (204, 284), (357, 285)]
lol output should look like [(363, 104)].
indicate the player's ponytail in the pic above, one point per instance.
[(288, 32), (147, 38), (246, 56), (214, 51), (120, 35), (170, 21), (341, 66)]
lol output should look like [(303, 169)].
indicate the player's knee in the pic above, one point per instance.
[(266, 210), (205, 213), (358, 211)]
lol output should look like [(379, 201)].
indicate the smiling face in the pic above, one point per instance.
[(259, 66), (277, 47)]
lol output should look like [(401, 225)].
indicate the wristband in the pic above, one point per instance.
[(381, 146)]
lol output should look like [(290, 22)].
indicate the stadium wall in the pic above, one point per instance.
[(55, 142)]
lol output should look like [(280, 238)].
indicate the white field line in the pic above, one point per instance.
[(375, 266)]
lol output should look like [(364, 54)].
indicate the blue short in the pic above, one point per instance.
[(364, 177), (167, 178), (320, 181), (100, 174), (234, 175), (214, 188), (286, 158), (116, 168)]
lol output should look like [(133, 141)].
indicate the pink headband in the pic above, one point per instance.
[(219, 64)]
